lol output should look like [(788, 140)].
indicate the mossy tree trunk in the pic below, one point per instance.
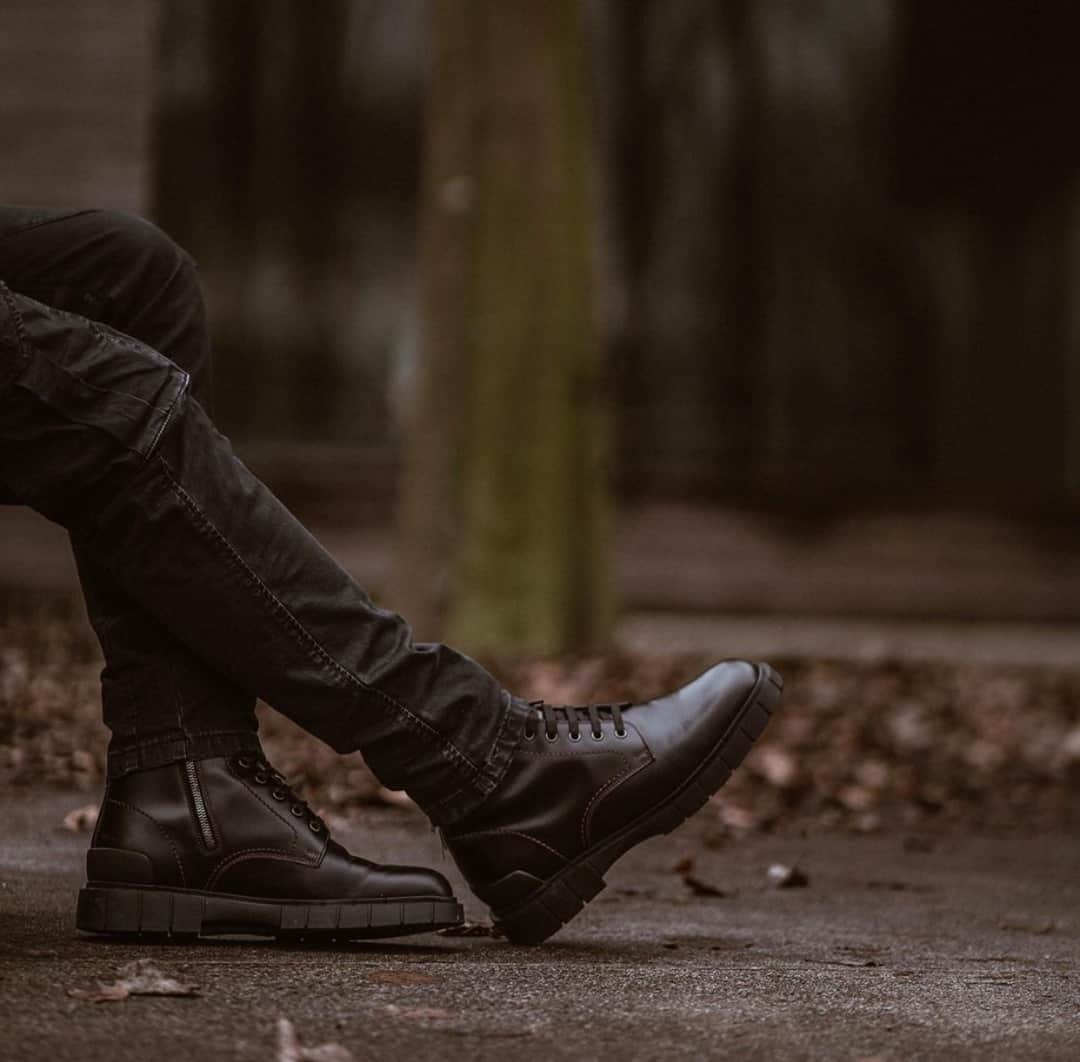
[(504, 505)]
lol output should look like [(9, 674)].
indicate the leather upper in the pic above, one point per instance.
[(561, 796), (264, 846)]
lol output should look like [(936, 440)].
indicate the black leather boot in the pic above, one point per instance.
[(588, 783), (223, 845)]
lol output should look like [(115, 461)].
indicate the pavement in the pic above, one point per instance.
[(901, 946)]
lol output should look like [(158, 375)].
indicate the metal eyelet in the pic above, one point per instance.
[(314, 827), (622, 734), (552, 737), (245, 762), (260, 779), (297, 810), (596, 736), (278, 794), (574, 737)]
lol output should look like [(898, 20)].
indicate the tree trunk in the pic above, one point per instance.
[(504, 504)]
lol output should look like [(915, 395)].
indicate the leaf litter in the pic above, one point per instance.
[(857, 745)]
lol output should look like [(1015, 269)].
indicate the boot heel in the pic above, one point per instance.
[(117, 910), (552, 907)]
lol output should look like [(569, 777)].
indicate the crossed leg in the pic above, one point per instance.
[(207, 592)]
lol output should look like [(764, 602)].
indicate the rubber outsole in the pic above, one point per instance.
[(119, 910), (562, 897)]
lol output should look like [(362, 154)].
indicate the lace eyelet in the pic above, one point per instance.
[(529, 735), (552, 737), (260, 779), (621, 734), (315, 827), (297, 810), (574, 737), (245, 762), (278, 794), (596, 736)]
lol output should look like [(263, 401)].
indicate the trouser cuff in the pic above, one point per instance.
[(142, 755), (445, 810)]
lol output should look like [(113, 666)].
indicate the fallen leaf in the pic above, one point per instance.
[(777, 767), (402, 977), (736, 817), (856, 798), (291, 1050), (898, 886), (472, 929), (784, 877), (701, 888), (139, 978), (113, 993), (81, 820)]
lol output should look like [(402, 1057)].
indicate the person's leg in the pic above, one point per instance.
[(98, 432), (160, 701)]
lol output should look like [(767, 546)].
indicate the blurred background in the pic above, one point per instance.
[(647, 330)]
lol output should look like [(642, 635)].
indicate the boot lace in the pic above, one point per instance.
[(575, 715), (260, 771)]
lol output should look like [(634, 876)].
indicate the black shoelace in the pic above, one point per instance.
[(261, 772), (575, 715)]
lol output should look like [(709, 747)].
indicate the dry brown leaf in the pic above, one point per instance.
[(782, 876), (291, 1050), (699, 887), (139, 978), (472, 929), (81, 820)]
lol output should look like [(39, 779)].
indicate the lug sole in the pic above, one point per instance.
[(119, 910), (561, 897)]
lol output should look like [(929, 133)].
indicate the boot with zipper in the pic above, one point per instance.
[(588, 783), (224, 846)]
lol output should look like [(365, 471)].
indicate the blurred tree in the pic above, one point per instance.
[(504, 507)]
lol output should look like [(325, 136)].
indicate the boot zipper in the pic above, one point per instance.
[(199, 803)]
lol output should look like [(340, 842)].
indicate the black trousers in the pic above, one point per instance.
[(203, 589)]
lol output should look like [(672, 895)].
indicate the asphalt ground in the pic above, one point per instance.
[(901, 946)]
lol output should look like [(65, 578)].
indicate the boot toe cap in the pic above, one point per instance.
[(412, 882), (688, 722)]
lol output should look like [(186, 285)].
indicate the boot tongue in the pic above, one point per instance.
[(259, 770)]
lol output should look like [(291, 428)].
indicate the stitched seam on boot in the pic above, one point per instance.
[(630, 769), (308, 641), (246, 854), (161, 829), (510, 833)]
